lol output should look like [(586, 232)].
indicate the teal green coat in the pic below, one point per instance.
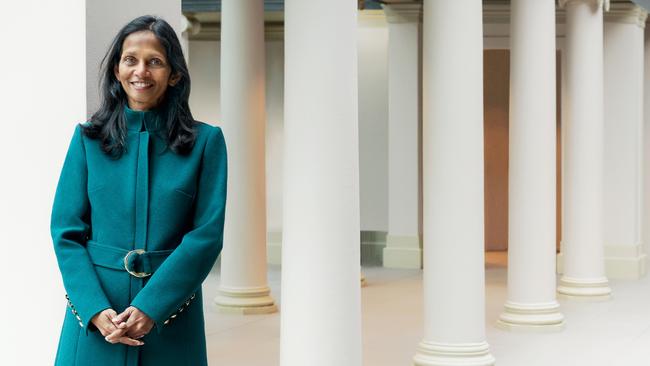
[(169, 205)]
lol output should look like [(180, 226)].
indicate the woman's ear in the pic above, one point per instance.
[(174, 79), (116, 73)]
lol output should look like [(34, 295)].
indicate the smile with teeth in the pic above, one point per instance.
[(141, 85)]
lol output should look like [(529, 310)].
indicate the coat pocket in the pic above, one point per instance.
[(184, 193)]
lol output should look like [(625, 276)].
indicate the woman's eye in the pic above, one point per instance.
[(156, 61), (129, 60)]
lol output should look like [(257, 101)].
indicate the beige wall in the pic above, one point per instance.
[(496, 71), (204, 101), (496, 82)]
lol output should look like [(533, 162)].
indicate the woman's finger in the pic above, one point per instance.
[(123, 315), (111, 313), (130, 341), (115, 335)]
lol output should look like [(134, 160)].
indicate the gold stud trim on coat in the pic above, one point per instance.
[(180, 310), (74, 311)]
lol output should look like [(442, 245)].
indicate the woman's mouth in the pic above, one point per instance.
[(141, 85)]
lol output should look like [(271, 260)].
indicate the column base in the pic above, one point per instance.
[(456, 354), (403, 252), (625, 262), (245, 301), (531, 317), (592, 289)]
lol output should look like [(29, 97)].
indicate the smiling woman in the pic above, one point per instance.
[(143, 70), (138, 215)]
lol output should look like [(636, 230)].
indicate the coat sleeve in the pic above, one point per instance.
[(182, 273), (69, 226)]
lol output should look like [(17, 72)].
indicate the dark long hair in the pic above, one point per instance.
[(107, 123)]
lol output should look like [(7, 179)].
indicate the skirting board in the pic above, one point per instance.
[(626, 262), (403, 252), (372, 246), (274, 248)]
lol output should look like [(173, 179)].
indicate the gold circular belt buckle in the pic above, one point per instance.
[(126, 264)]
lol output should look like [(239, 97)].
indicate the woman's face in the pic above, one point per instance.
[(143, 70)]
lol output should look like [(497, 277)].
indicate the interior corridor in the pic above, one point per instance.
[(615, 332)]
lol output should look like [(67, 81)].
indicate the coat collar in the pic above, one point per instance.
[(149, 120)]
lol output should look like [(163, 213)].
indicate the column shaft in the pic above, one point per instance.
[(624, 26), (243, 287), (454, 275), (646, 144), (583, 239), (321, 321), (403, 243), (531, 300)]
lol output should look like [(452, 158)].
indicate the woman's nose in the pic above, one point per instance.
[(141, 69)]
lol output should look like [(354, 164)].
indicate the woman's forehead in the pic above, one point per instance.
[(142, 41)]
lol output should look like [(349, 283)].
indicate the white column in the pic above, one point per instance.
[(274, 36), (243, 287), (531, 300), (583, 233), (454, 275), (189, 27), (321, 307), (646, 145), (52, 112), (404, 242), (623, 185)]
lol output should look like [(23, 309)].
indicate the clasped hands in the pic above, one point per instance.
[(127, 327)]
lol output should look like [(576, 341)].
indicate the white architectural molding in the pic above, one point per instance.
[(601, 3), (403, 12), (403, 252), (621, 262), (371, 18), (625, 261), (626, 13), (245, 300), (190, 25), (543, 317), (274, 248), (274, 32), (496, 14), (456, 354), (496, 25)]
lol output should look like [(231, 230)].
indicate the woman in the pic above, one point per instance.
[(137, 220)]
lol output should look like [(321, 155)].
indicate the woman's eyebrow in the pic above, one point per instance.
[(134, 53)]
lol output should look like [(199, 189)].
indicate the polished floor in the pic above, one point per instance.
[(614, 332)]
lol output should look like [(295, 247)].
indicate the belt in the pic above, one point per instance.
[(138, 263)]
